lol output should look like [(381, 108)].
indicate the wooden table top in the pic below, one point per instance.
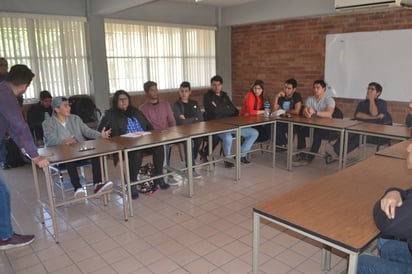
[(396, 131), (339, 207), (324, 122), (396, 151), (202, 128), (156, 137), (63, 153), (245, 120)]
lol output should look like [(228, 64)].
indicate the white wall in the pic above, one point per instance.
[(272, 10), (55, 7), (172, 13)]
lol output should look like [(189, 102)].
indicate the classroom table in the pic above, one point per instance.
[(154, 139), (338, 125), (376, 130), (335, 210), (396, 151), (203, 129), (70, 153), (248, 121)]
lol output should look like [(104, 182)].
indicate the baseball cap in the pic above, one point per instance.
[(57, 101)]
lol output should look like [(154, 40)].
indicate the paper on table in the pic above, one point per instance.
[(136, 134)]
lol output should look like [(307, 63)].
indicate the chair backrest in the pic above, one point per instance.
[(85, 108), (387, 120), (337, 113)]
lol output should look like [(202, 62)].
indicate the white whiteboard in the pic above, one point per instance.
[(354, 59)]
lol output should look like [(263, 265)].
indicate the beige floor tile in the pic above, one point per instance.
[(169, 233)]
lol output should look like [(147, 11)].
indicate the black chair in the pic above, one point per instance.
[(337, 114), (387, 120)]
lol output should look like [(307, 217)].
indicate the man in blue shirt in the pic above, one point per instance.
[(371, 110)]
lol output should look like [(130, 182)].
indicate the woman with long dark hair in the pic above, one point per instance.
[(123, 118), (253, 105)]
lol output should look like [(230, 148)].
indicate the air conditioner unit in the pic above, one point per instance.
[(347, 5)]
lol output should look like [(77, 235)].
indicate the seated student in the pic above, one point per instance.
[(218, 105), (37, 113), (371, 110), (187, 111), (159, 113), (123, 118), (291, 102), (63, 128), (318, 105), (408, 119), (392, 214), (253, 105)]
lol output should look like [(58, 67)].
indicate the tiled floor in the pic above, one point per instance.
[(170, 233)]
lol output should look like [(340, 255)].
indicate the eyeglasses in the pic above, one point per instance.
[(122, 99)]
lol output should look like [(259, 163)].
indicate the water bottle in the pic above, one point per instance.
[(266, 107)]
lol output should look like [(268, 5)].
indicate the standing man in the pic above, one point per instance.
[(371, 110), (11, 120), (318, 105), (218, 105), (159, 113), (4, 69)]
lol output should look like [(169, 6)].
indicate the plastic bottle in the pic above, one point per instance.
[(266, 107)]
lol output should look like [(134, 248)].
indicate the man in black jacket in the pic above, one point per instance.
[(393, 217), (38, 113), (217, 105)]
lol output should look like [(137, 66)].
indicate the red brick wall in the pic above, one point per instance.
[(295, 48)]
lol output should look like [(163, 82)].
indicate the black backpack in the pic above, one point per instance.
[(14, 157), (84, 107)]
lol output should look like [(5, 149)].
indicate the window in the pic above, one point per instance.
[(168, 55), (54, 49)]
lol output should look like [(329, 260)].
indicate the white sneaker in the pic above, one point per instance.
[(196, 175), (299, 160), (172, 181), (80, 192), (103, 187)]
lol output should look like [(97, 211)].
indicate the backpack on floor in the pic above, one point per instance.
[(145, 172), (14, 157)]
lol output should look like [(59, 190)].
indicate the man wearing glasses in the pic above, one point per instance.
[(371, 110)]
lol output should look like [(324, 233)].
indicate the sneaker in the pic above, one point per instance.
[(80, 192), (196, 175), (245, 161), (135, 193), (172, 181), (299, 160), (229, 164), (5, 166), (160, 182), (332, 155), (103, 187), (281, 148), (16, 240)]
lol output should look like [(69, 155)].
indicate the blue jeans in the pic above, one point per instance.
[(6, 230), (395, 258), (249, 134)]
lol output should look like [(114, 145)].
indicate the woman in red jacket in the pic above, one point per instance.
[(253, 105)]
